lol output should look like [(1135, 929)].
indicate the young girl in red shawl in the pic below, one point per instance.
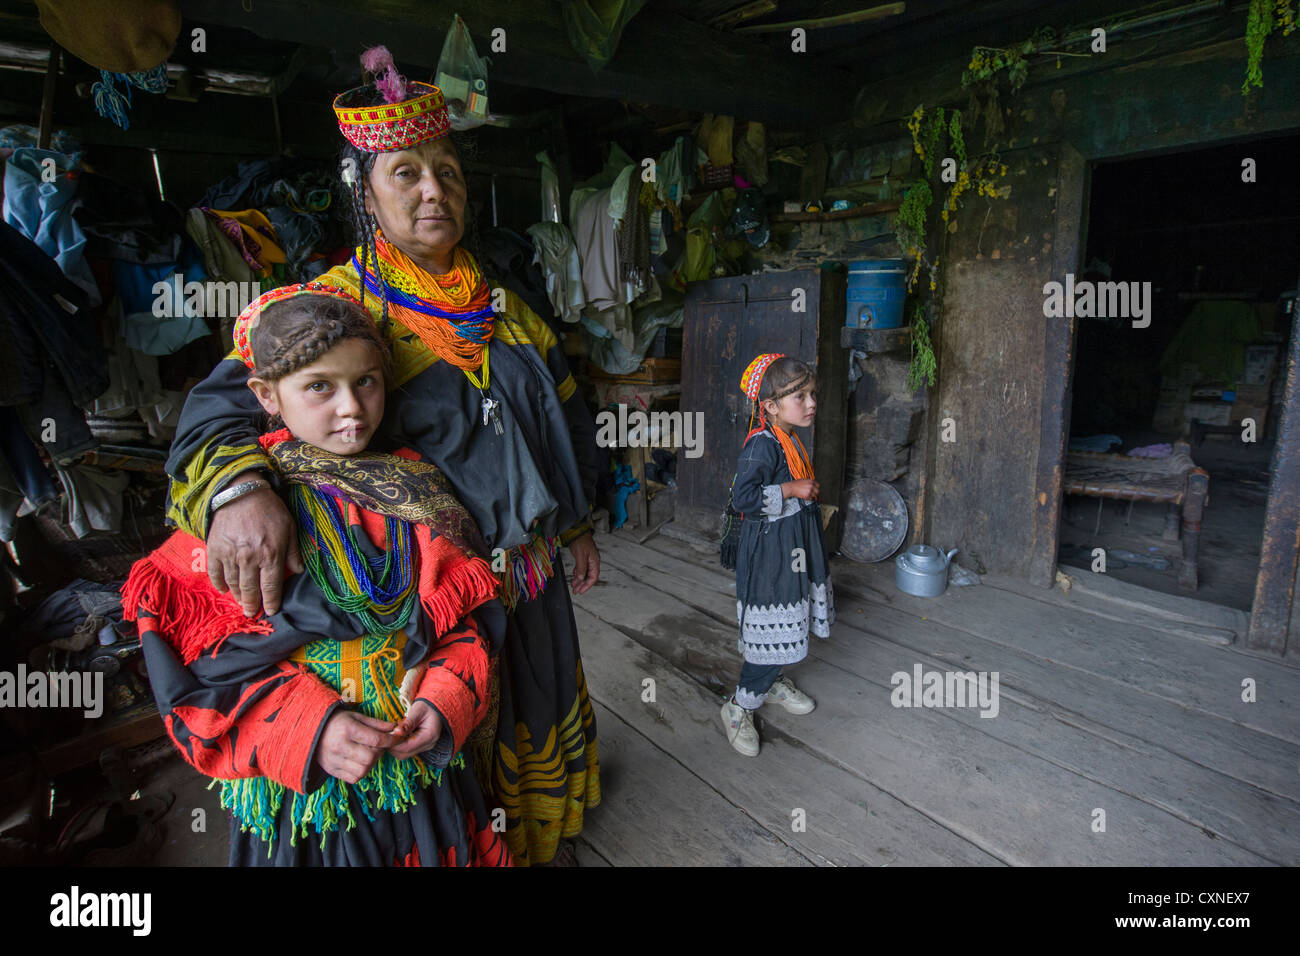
[(344, 749)]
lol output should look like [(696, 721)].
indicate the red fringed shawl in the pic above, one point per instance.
[(172, 585)]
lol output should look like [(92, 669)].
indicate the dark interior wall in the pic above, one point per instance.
[(1188, 224), (1003, 368)]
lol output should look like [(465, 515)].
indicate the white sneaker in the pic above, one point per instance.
[(794, 700), (739, 724)]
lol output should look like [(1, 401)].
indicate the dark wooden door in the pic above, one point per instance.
[(727, 323)]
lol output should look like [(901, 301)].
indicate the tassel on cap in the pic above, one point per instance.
[(378, 62)]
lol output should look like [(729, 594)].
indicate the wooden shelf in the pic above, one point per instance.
[(876, 341), (137, 726), (875, 209)]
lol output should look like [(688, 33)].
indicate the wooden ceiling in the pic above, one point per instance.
[(673, 55)]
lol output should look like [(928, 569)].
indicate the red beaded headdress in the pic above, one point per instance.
[(412, 113), (796, 455), (752, 380)]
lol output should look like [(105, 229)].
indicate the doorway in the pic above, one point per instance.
[(1212, 259)]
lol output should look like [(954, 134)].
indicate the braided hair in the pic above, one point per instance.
[(295, 332), (783, 377)]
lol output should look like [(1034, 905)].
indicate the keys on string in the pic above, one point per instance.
[(491, 412)]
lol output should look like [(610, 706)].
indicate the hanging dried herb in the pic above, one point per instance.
[(1262, 19)]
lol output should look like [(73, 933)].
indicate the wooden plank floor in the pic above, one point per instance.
[(1101, 713)]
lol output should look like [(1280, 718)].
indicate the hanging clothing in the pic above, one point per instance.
[(25, 464), (634, 238), (12, 501), (557, 255), (43, 212), (222, 259), (92, 498), (125, 222), (51, 362), (133, 376), (252, 234), (49, 312), (594, 233), (511, 258), (527, 490), (670, 173), (155, 323), (594, 236)]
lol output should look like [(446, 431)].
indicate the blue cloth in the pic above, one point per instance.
[(624, 485), (1095, 443), (45, 326), (181, 322), (42, 211)]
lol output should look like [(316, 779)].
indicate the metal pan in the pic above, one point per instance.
[(875, 521)]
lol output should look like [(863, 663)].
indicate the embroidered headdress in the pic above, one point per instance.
[(751, 382), (410, 114)]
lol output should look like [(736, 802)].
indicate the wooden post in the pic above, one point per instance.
[(1275, 585), (1058, 371), (1198, 482), (275, 119), (563, 166), (46, 131)]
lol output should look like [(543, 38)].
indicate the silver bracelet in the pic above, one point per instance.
[(237, 491)]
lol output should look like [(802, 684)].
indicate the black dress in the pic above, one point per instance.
[(783, 583)]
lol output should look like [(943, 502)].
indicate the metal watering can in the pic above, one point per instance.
[(922, 570)]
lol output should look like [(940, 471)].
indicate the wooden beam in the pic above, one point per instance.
[(1279, 551), (665, 60), (46, 130), (739, 14), (1058, 372), (855, 212), (840, 20)]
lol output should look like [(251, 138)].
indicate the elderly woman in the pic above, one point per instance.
[(482, 392)]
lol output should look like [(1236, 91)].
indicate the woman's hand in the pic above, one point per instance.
[(586, 563), (351, 743), (422, 726), (806, 488), (249, 541)]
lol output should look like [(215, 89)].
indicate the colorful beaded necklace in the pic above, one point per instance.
[(379, 590)]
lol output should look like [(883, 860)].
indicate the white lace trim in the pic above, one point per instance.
[(774, 618), (823, 609), (772, 501), (775, 653), (747, 700), (792, 506)]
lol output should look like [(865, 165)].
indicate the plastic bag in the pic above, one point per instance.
[(462, 77)]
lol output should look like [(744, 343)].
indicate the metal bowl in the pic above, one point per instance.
[(875, 521)]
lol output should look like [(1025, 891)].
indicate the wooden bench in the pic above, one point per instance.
[(1175, 481)]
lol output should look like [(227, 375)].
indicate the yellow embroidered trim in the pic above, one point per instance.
[(383, 113)]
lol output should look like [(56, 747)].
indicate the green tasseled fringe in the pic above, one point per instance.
[(392, 784)]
